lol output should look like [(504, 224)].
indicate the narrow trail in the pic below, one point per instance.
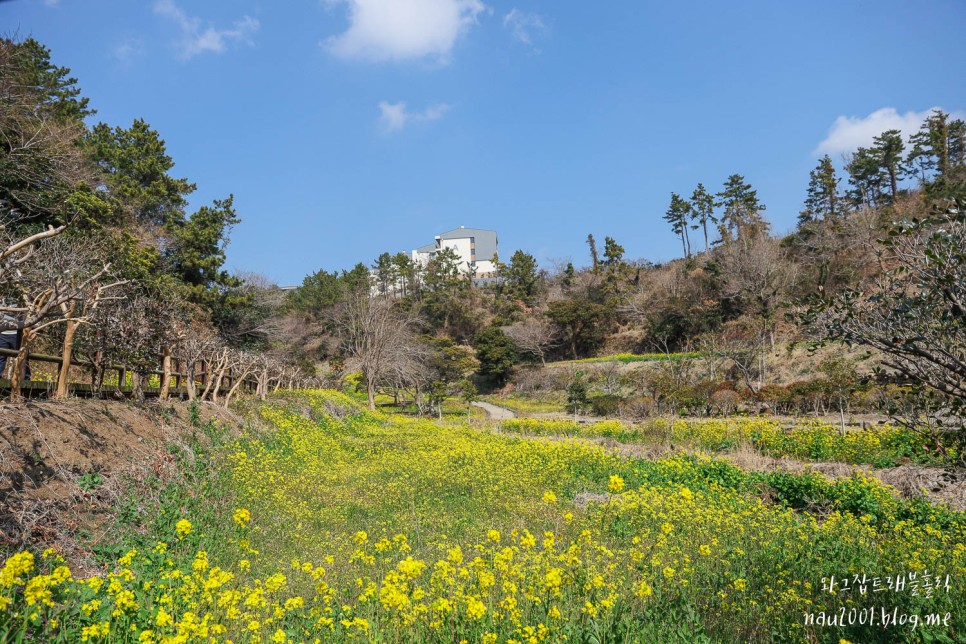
[(495, 412)]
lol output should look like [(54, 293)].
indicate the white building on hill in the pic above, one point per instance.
[(475, 248)]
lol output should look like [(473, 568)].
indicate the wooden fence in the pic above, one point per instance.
[(177, 388)]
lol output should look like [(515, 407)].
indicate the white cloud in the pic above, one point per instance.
[(524, 26), (382, 30), (395, 116), (851, 132), (127, 50), (197, 39)]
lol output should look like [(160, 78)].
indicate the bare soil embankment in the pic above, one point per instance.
[(65, 465)]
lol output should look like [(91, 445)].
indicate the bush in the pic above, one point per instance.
[(606, 405)]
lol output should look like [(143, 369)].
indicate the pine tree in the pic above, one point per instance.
[(703, 205), (823, 193), (866, 177), (888, 148), (594, 259), (742, 209), (678, 216)]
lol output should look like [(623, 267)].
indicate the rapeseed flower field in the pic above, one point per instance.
[(373, 528), (807, 439)]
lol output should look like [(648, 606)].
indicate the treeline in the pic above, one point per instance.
[(99, 256), (744, 291)]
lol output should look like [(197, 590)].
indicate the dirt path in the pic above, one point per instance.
[(494, 412)]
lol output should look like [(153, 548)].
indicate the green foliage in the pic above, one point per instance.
[(605, 404), (520, 279), (679, 216), (89, 481), (581, 322), (197, 251), (136, 164), (319, 292), (822, 200), (577, 392), (702, 206), (56, 90), (742, 210), (44, 177), (496, 352)]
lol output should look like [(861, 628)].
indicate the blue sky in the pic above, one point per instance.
[(346, 128)]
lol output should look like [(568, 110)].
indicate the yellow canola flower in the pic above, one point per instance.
[(616, 483), (15, 569), (183, 528), (242, 517)]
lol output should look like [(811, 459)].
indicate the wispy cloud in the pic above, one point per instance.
[(381, 30), (198, 39), (129, 49), (395, 116), (524, 27), (848, 133)]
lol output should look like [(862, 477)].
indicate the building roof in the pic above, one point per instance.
[(486, 242), (460, 233)]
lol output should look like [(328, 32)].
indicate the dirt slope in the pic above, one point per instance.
[(62, 463)]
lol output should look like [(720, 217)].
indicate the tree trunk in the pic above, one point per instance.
[(371, 392), (20, 364), (137, 386), (189, 381), (238, 383), (217, 386), (68, 352), (165, 373)]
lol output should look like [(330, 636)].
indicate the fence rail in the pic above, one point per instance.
[(177, 389)]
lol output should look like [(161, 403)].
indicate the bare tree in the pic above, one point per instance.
[(534, 335), (374, 333), (744, 341), (198, 343), (757, 272), (51, 281)]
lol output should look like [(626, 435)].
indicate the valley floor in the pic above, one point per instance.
[(324, 522)]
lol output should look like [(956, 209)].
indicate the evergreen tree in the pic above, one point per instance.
[(920, 161), (45, 179), (678, 215), (594, 259), (520, 278), (957, 143), (386, 273), (742, 209), (568, 275), (136, 165), (888, 148), (54, 87), (197, 251), (702, 207), (496, 352), (866, 177), (357, 280), (823, 193)]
